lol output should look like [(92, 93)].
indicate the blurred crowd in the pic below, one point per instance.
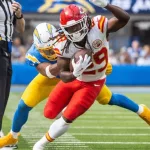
[(136, 54), (20, 48)]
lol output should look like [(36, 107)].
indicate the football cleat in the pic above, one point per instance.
[(145, 115), (8, 140), (38, 146)]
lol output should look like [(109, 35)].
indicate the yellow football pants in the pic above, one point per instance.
[(41, 86), (104, 96), (38, 89)]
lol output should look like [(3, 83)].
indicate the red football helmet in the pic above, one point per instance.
[(73, 22)]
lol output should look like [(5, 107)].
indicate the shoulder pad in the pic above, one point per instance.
[(100, 22)]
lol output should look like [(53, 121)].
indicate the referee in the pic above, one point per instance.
[(10, 17)]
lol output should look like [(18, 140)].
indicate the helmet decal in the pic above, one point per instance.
[(49, 27), (43, 40), (36, 33)]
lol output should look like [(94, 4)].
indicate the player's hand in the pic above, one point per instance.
[(108, 69), (17, 9), (80, 66), (100, 3)]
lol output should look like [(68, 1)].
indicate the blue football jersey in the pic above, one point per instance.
[(33, 57)]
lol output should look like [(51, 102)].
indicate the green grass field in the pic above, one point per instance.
[(101, 128)]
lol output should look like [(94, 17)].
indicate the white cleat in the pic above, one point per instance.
[(38, 146)]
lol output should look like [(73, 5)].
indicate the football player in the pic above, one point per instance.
[(40, 55), (79, 91)]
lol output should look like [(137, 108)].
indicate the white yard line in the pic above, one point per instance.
[(33, 138), (66, 139), (104, 134), (6, 148), (71, 135), (101, 127), (129, 117), (108, 121), (100, 112), (122, 143), (68, 146)]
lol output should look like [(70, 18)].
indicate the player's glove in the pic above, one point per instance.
[(100, 3), (108, 69), (80, 66)]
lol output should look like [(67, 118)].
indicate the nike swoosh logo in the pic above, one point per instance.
[(96, 85)]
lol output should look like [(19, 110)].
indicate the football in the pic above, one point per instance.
[(81, 52)]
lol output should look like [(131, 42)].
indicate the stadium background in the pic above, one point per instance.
[(129, 48), (102, 127)]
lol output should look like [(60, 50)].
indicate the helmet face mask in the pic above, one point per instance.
[(43, 39), (48, 53), (73, 22), (76, 31)]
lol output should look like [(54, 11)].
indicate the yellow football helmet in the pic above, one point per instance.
[(43, 39)]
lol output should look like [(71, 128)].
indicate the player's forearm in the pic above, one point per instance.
[(20, 25), (52, 69), (41, 68), (20, 22), (119, 13), (67, 76)]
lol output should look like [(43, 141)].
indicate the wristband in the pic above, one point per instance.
[(19, 17), (48, 72)]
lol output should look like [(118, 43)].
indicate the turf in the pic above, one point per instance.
[(100, 128)]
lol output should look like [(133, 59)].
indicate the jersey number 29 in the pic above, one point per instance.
[(98, 58)]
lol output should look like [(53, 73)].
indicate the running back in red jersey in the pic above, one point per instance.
[(82, 53)]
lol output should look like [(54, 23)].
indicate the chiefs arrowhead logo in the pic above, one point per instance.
[(97, 43)]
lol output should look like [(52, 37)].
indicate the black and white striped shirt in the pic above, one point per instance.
[(6, 20)]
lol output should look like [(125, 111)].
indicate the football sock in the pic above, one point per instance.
[(58, 128), (20, 116), (1, 133), (14, 134), (60, 114), (43, 141), (141, 109), (123, 101)]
